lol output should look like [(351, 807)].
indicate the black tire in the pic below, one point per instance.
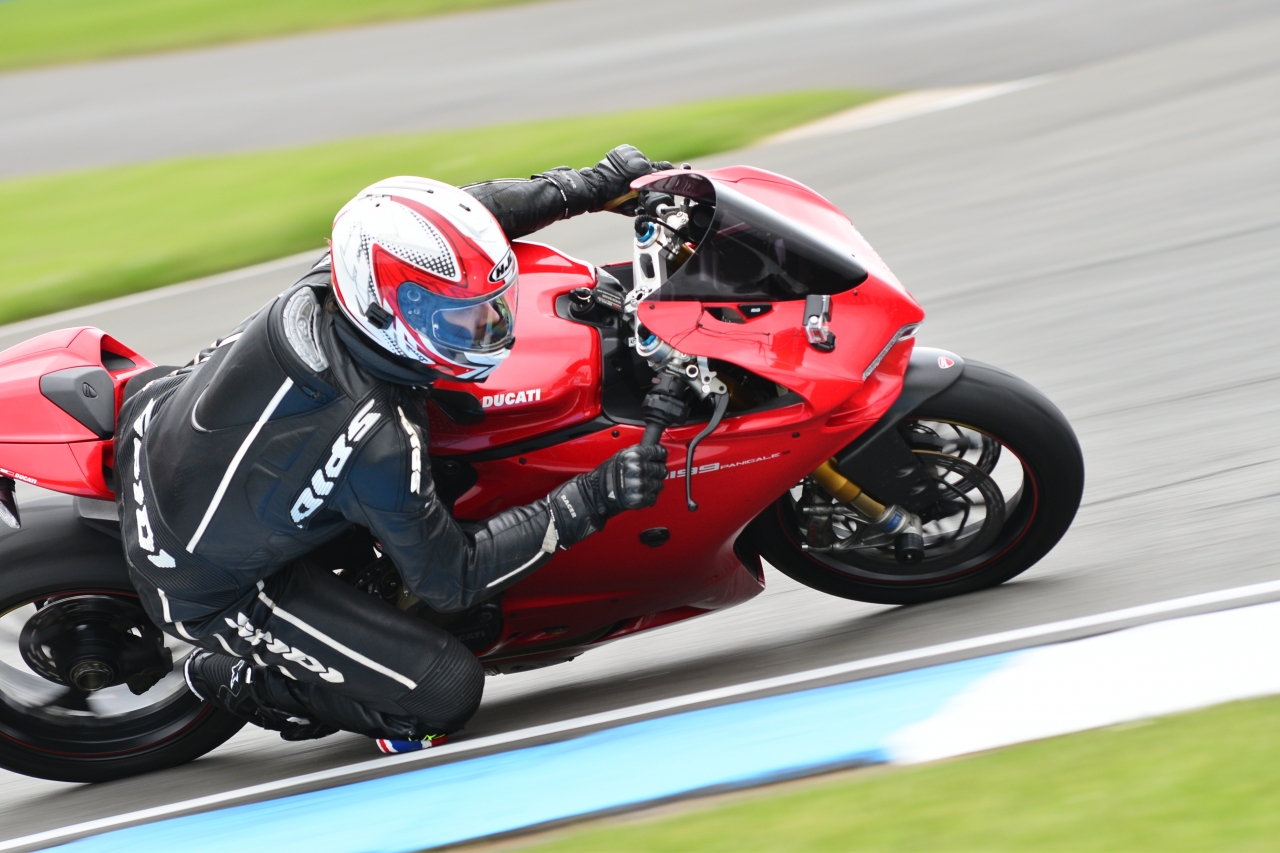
[(1000, 406), (54, 556)]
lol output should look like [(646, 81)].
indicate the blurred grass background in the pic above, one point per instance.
[(71, 239), (1207, 780), (42, 32)]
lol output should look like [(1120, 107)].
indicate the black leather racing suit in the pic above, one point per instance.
[(274, 442)]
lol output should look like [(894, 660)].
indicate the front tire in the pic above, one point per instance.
[(1005, 418), (57, 568)]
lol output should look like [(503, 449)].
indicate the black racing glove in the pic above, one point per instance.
[(613, 175), (589, 190), (630, 479)]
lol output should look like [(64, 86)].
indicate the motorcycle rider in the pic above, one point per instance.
[(308, 419)]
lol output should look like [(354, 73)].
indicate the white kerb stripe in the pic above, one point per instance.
[(334, 644), (1103, 621), (235, 464)]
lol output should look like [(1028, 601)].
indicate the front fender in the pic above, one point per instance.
[(879, 460)]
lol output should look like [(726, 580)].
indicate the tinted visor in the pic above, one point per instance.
[(481, 325)]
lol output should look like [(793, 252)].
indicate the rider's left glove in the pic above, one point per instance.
[(592, 189), (611, 178), (630, 479)]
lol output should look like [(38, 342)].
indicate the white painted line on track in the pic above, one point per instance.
[(142, 298), (900, 107), (1099, 620)]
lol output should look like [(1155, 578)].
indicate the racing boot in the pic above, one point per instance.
[(234, 685), (391, 746)]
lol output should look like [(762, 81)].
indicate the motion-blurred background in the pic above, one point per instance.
[(1086, 193)]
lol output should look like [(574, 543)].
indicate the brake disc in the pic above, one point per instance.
[(91, 642)]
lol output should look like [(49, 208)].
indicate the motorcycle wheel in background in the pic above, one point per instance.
[(1010, 475), (70, 621)]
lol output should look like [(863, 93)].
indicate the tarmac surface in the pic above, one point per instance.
[(1112, 235), (574, 57)]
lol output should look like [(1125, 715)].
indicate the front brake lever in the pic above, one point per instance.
[(722, 405)]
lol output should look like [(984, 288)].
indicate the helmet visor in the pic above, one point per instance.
[(480, 326)]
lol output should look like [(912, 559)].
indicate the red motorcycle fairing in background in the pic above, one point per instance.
[(545, 423)]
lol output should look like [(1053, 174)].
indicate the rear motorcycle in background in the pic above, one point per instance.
[(754, 332)]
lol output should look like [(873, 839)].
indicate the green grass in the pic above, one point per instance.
[(70, 239), (1208, 780), (41, 32)]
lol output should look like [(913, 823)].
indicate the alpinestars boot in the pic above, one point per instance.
[(233, 685)]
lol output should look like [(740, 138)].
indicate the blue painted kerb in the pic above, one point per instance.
[(728, 745)]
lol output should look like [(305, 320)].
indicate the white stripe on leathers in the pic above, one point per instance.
[(235, 464), (332, 643)]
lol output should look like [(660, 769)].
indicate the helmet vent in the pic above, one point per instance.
[(432, 255)]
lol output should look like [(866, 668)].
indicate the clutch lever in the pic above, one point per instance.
[(722, 405)]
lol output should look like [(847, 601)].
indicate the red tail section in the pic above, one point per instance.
[(59, 394)]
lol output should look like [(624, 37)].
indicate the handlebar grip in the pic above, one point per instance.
[(652, 434), (615, 203)]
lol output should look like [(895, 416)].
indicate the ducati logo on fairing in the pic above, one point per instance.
[(511, 398), (945, 362), (322, 481), (5, 472)]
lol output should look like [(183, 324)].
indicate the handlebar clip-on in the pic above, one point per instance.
[(666, 406)]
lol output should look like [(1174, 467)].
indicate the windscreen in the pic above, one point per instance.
[(750, 252)]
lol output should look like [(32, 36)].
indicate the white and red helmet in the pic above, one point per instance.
[(426, 272)]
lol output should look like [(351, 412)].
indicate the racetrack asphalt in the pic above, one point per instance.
[(570, 57), (1110, 235)]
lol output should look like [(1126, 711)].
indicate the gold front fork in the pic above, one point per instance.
[(846, 491), (893, 520)]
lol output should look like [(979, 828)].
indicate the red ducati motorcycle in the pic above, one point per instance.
[(754, 332)]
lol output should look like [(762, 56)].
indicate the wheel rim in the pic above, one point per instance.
[(43, 656), (989, 490)]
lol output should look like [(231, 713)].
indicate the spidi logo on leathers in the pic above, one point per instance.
[(251, 635), (323, 480), (145, 535)]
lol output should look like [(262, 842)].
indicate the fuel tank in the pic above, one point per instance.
[(550, 382)]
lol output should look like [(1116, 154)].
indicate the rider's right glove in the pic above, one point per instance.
[(630, 479)]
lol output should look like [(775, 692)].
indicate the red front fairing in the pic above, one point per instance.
[(595, 588)]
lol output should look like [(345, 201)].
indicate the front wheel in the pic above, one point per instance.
[(1009, 476), (90, 689)]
